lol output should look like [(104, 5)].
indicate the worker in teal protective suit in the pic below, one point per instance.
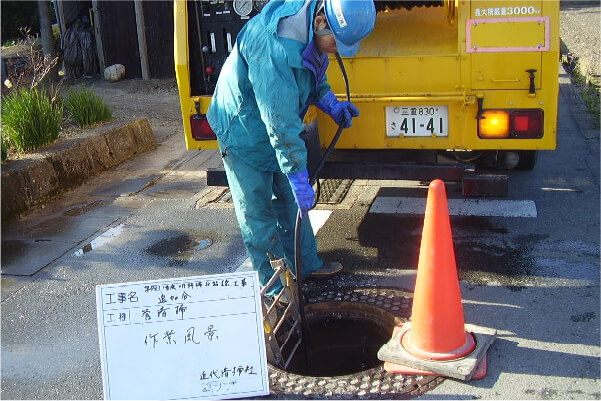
[(274, 72)]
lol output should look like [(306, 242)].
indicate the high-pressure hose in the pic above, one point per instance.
[(297, 234)]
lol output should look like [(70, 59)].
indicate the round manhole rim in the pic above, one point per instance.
[(342, 310), (374, 383)]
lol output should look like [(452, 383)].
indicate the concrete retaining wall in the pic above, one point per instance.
[(44, 176)]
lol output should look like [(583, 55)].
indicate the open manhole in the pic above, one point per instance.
[(345, 331), (342, 338)]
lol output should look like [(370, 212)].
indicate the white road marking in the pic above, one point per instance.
[(457, 207), (317, 217)]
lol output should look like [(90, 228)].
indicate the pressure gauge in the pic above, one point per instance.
[(259, 4), (243, 7)]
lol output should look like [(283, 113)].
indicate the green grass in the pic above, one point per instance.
[(85, 108), (3, 148), (590, 96), (9, 43), (30, 119), (586, 79)]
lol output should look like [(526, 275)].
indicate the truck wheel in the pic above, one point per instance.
[(527, 159)]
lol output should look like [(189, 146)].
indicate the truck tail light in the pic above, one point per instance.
[(201, 130), (527, 123), (513, 124)]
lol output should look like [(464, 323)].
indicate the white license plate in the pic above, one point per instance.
[(417, 121)]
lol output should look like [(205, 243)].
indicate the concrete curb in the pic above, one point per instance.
[(42, 177)]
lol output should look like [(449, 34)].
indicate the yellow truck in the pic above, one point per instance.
[(442, 86)]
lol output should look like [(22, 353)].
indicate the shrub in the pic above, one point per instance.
[(30, 119), (86, 108)]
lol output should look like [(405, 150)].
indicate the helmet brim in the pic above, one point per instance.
[(345, 50)]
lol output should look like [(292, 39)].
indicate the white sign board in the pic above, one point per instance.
[(193, 338)]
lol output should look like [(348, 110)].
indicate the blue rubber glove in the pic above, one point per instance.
[(341, 112), (303, 192)]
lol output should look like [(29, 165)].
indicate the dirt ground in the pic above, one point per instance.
[(580, 25), (155, 100)]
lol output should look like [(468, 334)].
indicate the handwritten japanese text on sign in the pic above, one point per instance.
[(194, 338)]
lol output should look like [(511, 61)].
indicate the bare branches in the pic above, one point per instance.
[(30, 67)]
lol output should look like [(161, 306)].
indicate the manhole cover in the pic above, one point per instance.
[(178, 246), (347, 329)]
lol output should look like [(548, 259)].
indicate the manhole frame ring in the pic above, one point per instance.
[(283, 383)]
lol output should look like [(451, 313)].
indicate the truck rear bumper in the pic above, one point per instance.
[(473, 184), (373, 171), (394, 171)]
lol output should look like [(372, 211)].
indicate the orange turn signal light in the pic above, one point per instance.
[(493, 124)]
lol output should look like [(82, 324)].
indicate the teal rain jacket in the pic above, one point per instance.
[(257, 111)]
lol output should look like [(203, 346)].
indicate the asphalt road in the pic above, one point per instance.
[(533, 279)]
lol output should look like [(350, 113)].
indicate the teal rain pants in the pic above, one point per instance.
[(266, 213)]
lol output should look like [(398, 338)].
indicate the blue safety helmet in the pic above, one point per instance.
[(350, 21)]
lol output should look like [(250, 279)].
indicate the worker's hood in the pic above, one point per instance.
[(293, 19), (290, 19)]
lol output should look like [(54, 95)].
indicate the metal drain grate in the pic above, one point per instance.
[(333, 190)]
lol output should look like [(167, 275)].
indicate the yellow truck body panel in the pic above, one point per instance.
[(426, 76)]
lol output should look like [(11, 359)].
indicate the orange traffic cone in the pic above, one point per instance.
[(437, 331)]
